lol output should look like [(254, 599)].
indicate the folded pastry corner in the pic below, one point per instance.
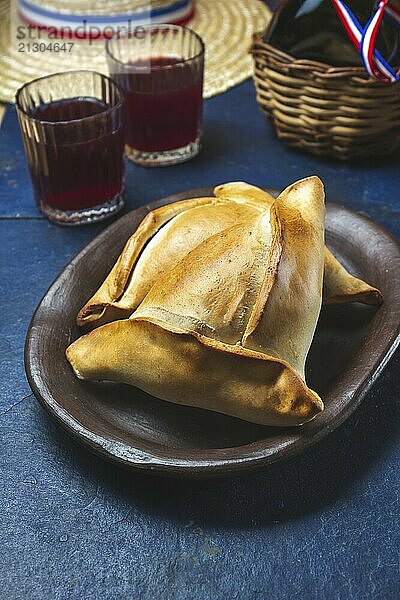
[(240, 191), (340, 287), (193, 370), (228, 328)]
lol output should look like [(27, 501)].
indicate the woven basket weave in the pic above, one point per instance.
[(329, 111)]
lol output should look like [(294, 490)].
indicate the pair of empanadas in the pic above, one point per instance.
[(214, 302)]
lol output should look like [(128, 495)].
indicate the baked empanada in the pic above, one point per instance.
[(167, 234), (228, 328)]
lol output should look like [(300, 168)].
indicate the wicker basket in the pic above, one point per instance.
[(329, 111)]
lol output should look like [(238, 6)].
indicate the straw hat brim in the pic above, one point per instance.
[(226, 26)]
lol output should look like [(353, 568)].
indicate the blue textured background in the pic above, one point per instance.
[(325, 525)]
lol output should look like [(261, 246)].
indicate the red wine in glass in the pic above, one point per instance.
[(72, 128), (161, 74), (163, 107), (77, 175)]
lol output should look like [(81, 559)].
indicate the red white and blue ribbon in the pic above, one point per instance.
[(364, 39), (83, 26)]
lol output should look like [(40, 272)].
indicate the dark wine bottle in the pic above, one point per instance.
[(312, 29)]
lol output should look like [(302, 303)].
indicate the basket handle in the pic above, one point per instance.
[(364, 39)]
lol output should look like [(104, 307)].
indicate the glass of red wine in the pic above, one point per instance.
[(160, 69), (72, 130)]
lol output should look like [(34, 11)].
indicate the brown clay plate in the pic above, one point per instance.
[(351, 347)]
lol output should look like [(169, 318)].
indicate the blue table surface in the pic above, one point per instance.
[(325, 525)]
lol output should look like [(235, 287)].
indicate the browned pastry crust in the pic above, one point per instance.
[(167, 234), (228, 328)]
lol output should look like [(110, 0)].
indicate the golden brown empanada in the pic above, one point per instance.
[(228, 328), (168, 233)]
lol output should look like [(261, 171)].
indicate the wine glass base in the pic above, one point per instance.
[(163, 158), (84, 216)]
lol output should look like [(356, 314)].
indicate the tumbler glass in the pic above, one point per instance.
[(72, 130), (160, 69)]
